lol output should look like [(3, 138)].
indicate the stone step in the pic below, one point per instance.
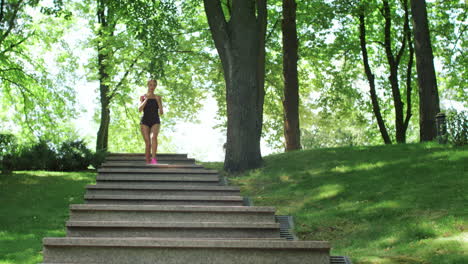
[(169, 180), (164, 200), (142, 164), (196, 251), (149, 181), (158, 155), (122, 189), (225, 230), (160, 160), (156, 171), (167, 213)]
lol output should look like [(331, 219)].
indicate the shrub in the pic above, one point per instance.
[(39, 156), (44, 155), (98, 158), (457, 128), (74, 155), (7, 146)]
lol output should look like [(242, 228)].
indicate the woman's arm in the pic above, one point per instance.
[(143, 100), (161, 110)]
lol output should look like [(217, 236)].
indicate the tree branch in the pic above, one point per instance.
[(2, 4), (402, 50), (409, 68), (273, 28), (218, 26), (116, 88), (11, 69), (15, 44), (11, 22)]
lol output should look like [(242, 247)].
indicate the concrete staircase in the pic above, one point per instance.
[(176, 212)]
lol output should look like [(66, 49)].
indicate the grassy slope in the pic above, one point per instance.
[(34, 205), (383, 204)]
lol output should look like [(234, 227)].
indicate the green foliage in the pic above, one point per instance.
[(70, 155), (392, 204), (449, 39), (74, 156), (457, 128), (34, 98), (8, 144), (98, 158)]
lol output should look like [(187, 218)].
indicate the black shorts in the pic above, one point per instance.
[(149, 122)]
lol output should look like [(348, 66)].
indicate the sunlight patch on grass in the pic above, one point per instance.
[(461, 238), (361, 167), (327, 191), (10, 236), (383, 205), (285, 178), (388, 241)]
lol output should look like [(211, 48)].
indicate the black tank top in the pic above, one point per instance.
[(151, 108)]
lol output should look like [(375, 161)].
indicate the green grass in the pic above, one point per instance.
[(382, 204), (34, 205), (401, 204)]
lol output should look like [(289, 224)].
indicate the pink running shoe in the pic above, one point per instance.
[(154, 161)]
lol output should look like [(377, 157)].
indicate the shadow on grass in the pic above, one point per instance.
[(384, 204), (35, 205)]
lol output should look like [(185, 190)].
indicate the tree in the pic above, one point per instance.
[(292, 133), (26, 84), (239, 37), (428, 92), (371, 80), (394, 60), (133, 38)]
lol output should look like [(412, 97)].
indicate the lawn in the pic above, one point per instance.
[(381, 204), (34, 205), (399, 204)]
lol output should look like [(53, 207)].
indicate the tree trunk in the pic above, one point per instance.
[(409, 67), (291, 84), (393, 65), (103, 132), (371, 79), (103, 58), (428, 93), (241, 47)]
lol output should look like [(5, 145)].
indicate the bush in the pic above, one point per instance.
[(74, 156), (44, 155), (98, 158), (40, 156), (457, 128), (7, 146)]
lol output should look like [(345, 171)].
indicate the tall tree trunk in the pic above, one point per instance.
[(371, 80), (428, 92), (409, 67), (103, 58), (292, 133), (241, 47), (393, 63), (103, 132)]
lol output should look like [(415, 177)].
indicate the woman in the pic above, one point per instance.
[(150, 104)]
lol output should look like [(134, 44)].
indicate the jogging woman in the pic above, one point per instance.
[(152, 107)]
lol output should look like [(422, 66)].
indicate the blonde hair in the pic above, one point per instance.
[(152, 80)]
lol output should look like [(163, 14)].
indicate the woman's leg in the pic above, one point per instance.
[(154, 139), (145, 131)]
